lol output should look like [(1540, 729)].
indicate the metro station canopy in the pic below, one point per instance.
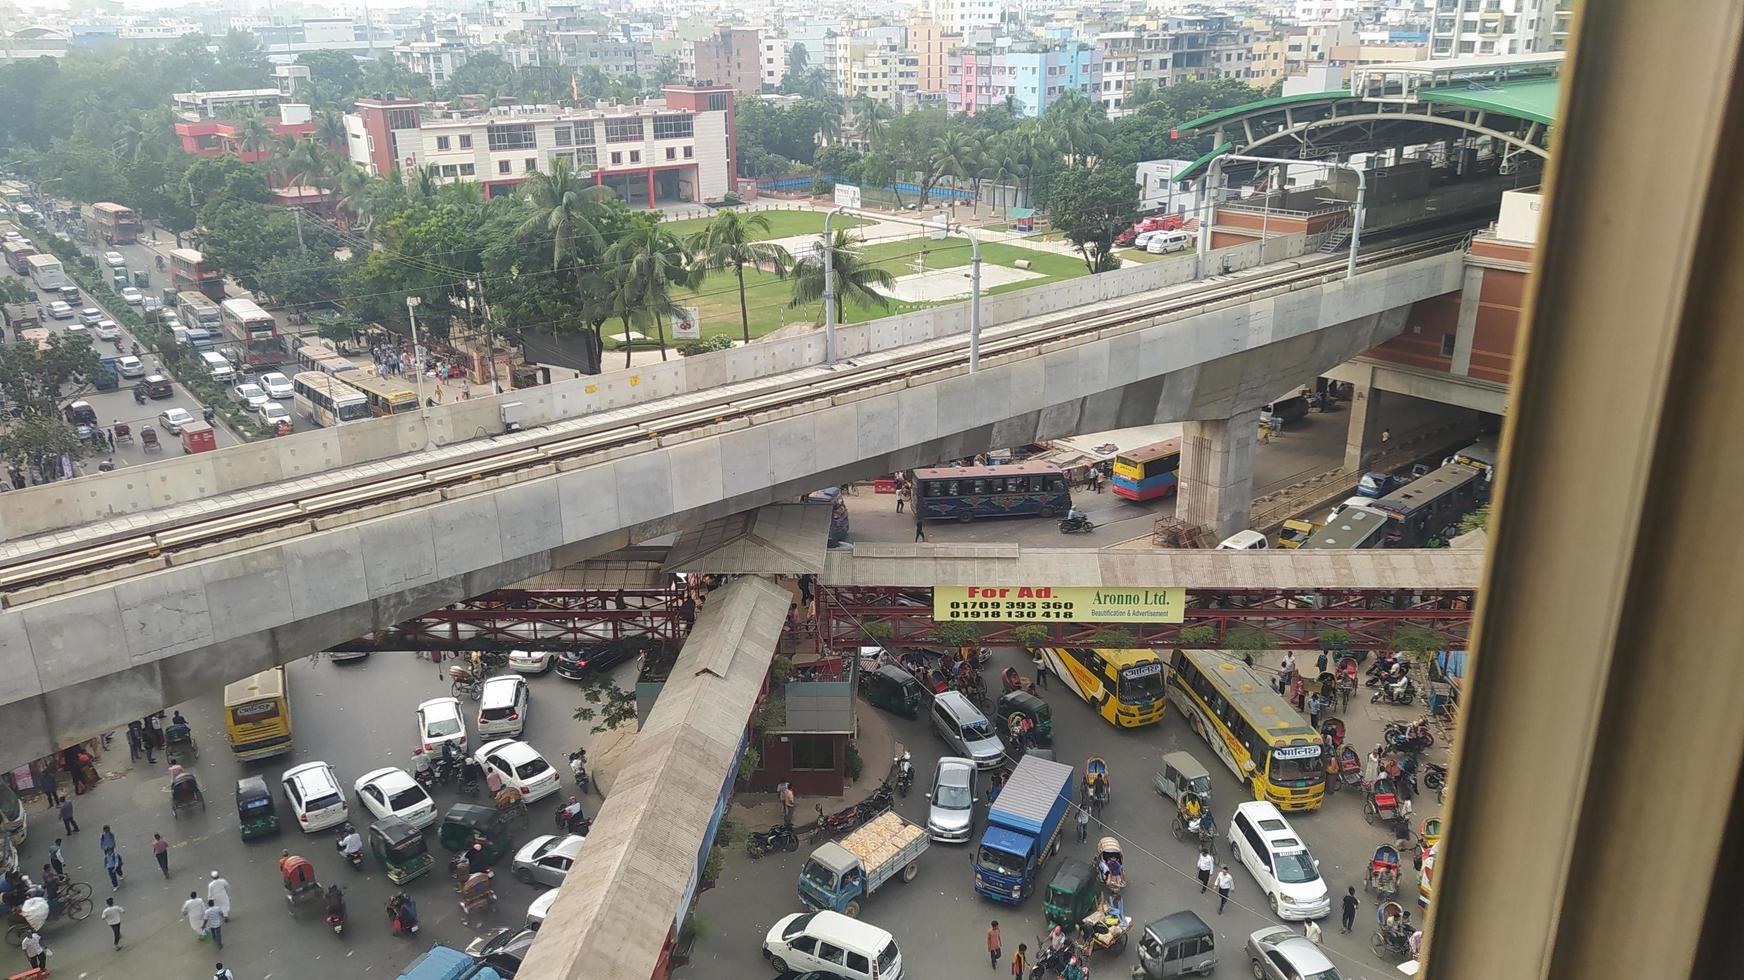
[(1509, 100)]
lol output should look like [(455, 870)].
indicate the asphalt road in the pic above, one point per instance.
[(356, 715), (940, 923)]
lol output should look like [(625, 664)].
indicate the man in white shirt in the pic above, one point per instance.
[(1225, 884), (1206, 864)]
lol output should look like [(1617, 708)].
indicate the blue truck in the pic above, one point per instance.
[(1023, 830)]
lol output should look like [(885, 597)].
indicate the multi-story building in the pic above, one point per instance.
[(932, 46), (1297, 48), (615, 55), (1463, 28), (963, 16), (773, 61), (227, 104), (1033, 75), (435, 60), (206, 132), (677, 148), (732, 58), (1128, 59), (881, 74)]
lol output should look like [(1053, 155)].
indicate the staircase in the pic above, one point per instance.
[(1336, 241)]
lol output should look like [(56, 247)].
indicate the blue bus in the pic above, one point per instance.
[(1148, 472), (963, 493)]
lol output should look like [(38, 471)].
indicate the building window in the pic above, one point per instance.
[(468, 170), (671, 153), (531, 164), (466, 142), (564, 135), (441, 142), (689, 151), (624, 130), (518, 137), (813, 752), (673, 127), (450, 170), (502, 166), (1447, 345), (402, 119), (635, 156), (617, 158), (717, 102)]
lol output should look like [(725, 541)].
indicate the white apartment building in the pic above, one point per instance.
[(962, 16), (772, 60), (1464, 28), (435, 60)]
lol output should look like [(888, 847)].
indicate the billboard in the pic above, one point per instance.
[(1059, 604)]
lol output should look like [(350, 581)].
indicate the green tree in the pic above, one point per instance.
[(1090, 205), (241, 63), (728, 243), (335, 72), (654, 262), (562, 210), (852, 276)]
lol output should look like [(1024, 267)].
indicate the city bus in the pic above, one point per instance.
[(114, 223), (386, 396), (327, 401), (1124, 686), (251, 330), (1148, 472), (963, 493), (1428, 506), (1480, 456), (190, 272), (196, 311), (322, 360), (1256, 733), (257, 715)]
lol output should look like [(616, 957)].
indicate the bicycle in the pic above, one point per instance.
[(77, 910)]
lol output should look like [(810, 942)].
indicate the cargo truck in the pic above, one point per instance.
[(838, 876), (1023, 830)]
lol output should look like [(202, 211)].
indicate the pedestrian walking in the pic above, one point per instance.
[(35, 951), (1347, 919), (1311, 930), (1225, 883), (106, 840), (194, 910), (1206, 864), (1083, 825), (993, 946), (112, 864), (787, 802), (66, 811), (214, 921), (160, 849), (919, 528), (50, 785), (219, 973), (112, 915), (54, 857), (1020, 961), (219, 892), (1041, 669)]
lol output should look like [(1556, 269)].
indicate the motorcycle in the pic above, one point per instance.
[(209, 413), (1411, 738), (1387, 670), (355, 857), (1401, 691), (139, 394), (571, 820), (578, 769), (1435, 778), (336, 909), (423, 773), (778, 838), (403, 915), (160, 263), (1076, 525), (904, 774)]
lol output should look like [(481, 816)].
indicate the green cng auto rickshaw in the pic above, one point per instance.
[(466, 823), (893, 689), (399, 849), (1071, 895), (254, 808), (1015, 706)]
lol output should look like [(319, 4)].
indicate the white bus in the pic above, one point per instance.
[(327, 401), (46, 273)]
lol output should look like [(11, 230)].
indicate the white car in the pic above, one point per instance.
[(1282, 953), (519, 765), (252, 395), (108, 329), (130, 366), (24, 209), (440, 720), (391, 792), (530, 661), (1358, 501), (272, 413), (114, 258), (277, 386), (1265, 843), (313, 792), (89, 316), (173, 419), (502, 706), (59, 310), (1142, 239), (540, 908), (546, 860), (133, 296)]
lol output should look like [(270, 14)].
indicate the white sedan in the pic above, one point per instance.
[(253, 395), (277, 385), (391, 792), (133, 296), (274, 415), (174, 418), (439, 721), (519, 765), (530, 661)]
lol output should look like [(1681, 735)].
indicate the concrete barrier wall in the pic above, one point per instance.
[(176, 480)]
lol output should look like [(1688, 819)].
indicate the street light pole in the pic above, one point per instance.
[(974, 298), (1356, 221), (830, 288)]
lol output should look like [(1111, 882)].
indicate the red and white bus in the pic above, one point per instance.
[(189, 270), (114, 223), (252, 331)]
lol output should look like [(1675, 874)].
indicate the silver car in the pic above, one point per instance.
[(546, 859), (1281, 953), (951, 817)]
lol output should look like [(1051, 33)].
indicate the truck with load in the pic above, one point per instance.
[(838, 876), (46, 273), (1023, 830), (21, 316)]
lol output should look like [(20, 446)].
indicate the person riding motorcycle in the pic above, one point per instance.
[(402, 910), (351, 844)]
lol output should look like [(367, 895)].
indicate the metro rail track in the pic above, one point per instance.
[(58, 558)]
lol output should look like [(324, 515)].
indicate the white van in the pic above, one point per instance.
[(1244, 541), (966, 730), (218, 366), (502, 706), (832, 943), (1271, 850), (1169, 241)]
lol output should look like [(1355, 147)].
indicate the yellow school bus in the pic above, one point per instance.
[(1264, 741), (1124, 686), (257, 715)]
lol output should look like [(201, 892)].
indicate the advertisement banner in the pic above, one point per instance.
[(1059, 604)]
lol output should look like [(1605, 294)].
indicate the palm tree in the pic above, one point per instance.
[(308, 164), (330, 129), (830, 119), (870, 118), (356, 192), (564, 208), (1032, 150), (727, 242), (426, 180), (1001, 165), (653, 261), (954, 155), (853, 276), (254, 135)]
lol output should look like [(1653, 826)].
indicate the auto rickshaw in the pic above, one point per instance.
[(1177, 945), (1071, 895), (148, 439), (466, 824), (254, 808), (141, 279), (185, 794), (399, 849), (301, 887), (893, 689), (1015, 706), (179, 741), (1182, 774)]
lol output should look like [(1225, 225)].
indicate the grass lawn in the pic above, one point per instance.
[(717, 301), (782, 224)]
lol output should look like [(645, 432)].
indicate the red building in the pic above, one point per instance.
[(216, 137)]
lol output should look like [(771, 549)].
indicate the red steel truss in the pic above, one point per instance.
[(561, 620)]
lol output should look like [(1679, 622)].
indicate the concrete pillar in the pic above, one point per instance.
[(1470, 292), (1217, 473), (1363, 439)]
